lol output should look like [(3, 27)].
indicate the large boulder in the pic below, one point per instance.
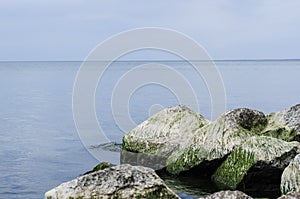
[(217, 139), (257, 164), (156, 138), (284, 124), (228, 195), (290, 179), (123, 181)]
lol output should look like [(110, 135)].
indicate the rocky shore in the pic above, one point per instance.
[(244, 152)]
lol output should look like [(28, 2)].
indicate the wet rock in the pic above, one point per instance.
[(285, 124), (290, 179), (156, 138), (123, 181), (228, 195), (217, 139), (291, 195), (258, 162)]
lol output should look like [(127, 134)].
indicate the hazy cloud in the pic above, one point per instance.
[(69, 29)]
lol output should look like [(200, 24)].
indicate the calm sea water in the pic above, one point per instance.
[(39, 145)]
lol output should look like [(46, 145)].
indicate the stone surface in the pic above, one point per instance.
[(257, 153), (290, 179), (291, 195), (123, 181), (228, 195), (285, 124), (217, 139), (157, 137)]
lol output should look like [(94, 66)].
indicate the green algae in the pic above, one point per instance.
[(233, 170), (100, 166)]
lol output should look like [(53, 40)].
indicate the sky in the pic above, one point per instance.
[(228, 29)]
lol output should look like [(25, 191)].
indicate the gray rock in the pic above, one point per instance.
[(228, 195), (285, 124), (123, 181), (217, 139), (156, 138), (291, 195), (257, 153), (290, 179)]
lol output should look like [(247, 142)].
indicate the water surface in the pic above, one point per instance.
[(39, 145)]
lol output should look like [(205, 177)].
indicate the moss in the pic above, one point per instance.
[(140, 146), (281, 133), (184, 160), (233, 170), (100, 166)]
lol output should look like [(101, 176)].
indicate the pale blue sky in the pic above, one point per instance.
[(70, 29)]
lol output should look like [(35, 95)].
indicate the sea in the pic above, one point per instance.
[(41, 145)]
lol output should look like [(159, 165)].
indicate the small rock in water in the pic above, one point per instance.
[(110, 146), (123, 181)]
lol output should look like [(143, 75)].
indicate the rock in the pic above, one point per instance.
[(228, 195), (258, 162), (100, 166), (290, 179), (217, 139), (291, 195), (285, 124), (123, 181), (156, 138)]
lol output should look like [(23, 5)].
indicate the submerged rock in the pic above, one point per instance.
[(156, 138), (228, 195), (217, 139), (290, 179), (123, 181), (285, 124), (261, 159)]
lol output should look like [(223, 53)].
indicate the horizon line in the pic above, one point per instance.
[(155, 60)]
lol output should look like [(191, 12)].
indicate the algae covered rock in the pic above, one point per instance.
[(217, 139), (123, 181), (228, 195), (285, 124), (161, 134), (100, 166), (290, 179), (259, 156)]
